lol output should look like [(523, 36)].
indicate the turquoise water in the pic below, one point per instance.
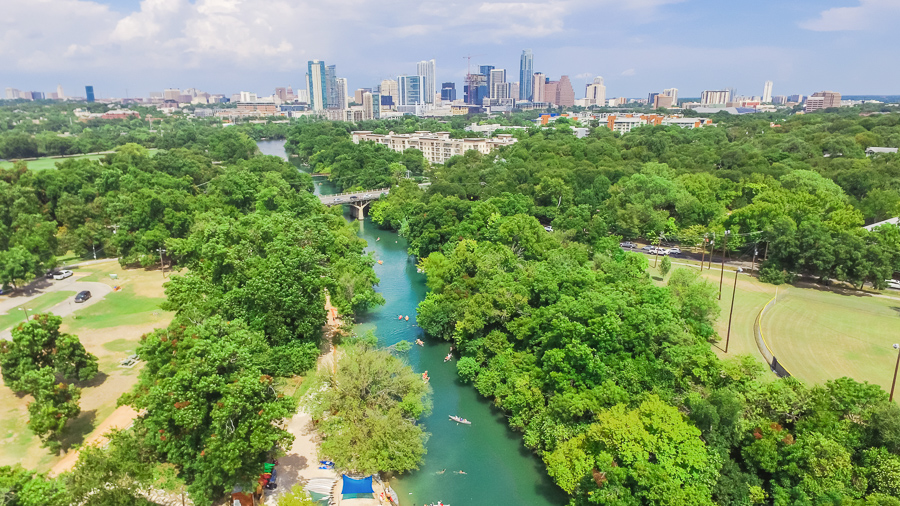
[(498, 469)]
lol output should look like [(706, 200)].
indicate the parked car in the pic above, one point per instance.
[(83, 296), (675, 251), (63, 274), (627, 244), (649, 249), (352, 197), (50, 274), (548, 228)]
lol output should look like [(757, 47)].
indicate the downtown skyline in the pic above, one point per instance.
[(229, 45)]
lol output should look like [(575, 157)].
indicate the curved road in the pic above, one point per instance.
[(65, 308)]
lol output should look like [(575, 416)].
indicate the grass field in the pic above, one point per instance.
[(50, 163), (111, 330), (36, 305), (820, 335)]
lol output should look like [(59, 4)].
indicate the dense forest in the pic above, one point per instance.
[(609, 377), (257, 252)]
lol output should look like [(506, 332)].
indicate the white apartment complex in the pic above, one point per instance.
[(437, 147)]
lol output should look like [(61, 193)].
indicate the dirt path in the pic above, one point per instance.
[(121, 418)]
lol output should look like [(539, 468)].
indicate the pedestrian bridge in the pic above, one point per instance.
[(358, 200)]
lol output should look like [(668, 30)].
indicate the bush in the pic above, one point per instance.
[(665, 266), (770, 274)]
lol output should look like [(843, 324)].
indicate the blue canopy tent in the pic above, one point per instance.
[(356, 487)]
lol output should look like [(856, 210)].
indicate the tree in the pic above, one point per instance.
[(230, 145), (211, 409), (21, 487), (37, 345), (53, 406), (296, 497), (368, 407), (665, 266)]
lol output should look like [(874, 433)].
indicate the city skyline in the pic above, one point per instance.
[(138, 47)]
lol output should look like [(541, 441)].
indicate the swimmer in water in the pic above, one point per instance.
[(442, 471)]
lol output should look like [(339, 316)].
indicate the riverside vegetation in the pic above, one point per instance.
[(609, 377), (258, 251)]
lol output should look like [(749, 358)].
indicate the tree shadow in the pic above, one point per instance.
[(78, 429), (96, 381)]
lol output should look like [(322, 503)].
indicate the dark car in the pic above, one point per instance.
[(83, 296)]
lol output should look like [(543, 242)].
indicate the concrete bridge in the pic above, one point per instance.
[(357, 200)]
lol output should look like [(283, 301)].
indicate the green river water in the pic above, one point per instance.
[(498, 469)]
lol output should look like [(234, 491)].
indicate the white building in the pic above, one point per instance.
[(437, 147), (716, 97), (595, 93), (767, 93), (426, 69)]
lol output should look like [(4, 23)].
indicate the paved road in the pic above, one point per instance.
[(65, 308)]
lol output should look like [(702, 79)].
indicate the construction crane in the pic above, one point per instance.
[(469, 62)]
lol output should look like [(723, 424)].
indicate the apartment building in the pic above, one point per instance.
[(624, 123), (437, 147)]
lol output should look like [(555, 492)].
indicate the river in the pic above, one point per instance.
[(498, 468)]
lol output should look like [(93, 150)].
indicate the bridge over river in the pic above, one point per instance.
[(358, 200)]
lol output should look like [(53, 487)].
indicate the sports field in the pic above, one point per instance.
[(50, 162), (820, 335)]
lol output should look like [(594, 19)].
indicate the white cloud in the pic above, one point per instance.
[(628, 72), (869, 14)]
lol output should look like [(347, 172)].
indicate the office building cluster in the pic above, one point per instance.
[(485, 88)]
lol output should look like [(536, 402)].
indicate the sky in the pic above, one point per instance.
[(133, 47)]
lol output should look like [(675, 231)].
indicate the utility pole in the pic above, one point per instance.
[(731, 312), (753, 265), (722, 276), (703, 245), (894, 383), (162, 264), (712, 249)]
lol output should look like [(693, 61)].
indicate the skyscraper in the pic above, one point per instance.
[(410, 90), (59, 92), (315, 85), (426, 69), (331, 95), (497, 84), (371, 103), (448, 92), (390, 92), (672, 92), (485, 70), (767, 92), (538, 87), (595, 92), (526, 69), (89, 92), (565, 94), (340, 92)]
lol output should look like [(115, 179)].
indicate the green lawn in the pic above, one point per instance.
[(36, 305), (50, 163), (116, 309), (819, 335)]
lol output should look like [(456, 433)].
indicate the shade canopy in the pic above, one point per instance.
[(362, 486)]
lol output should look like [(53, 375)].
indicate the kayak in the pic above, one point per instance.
[(458, 419)]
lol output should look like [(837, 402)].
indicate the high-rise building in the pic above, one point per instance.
[(281, 93), (12, 93), (331, 92), (550, 94), (89, 93), (410, 90), (485, 70), (795, 98), (171, 94), (59, 92), (514, 90), (358, 95), (661, 100), (779, 99), (497, 84), (475, 89), (526, 70), (822, 100), (371, 103), (248, 96), (340, 92), (672, 92), (767, 92), (715, 97), (390, 92), (315, 85), (565, 94), (426, 69), (539, 87), (651, 97), (595, 92), (448, 92)]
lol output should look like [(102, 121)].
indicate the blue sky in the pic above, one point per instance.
[(638, 46)]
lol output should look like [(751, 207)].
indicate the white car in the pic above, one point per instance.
[(63, 274), (675, 251), (548, 228)]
